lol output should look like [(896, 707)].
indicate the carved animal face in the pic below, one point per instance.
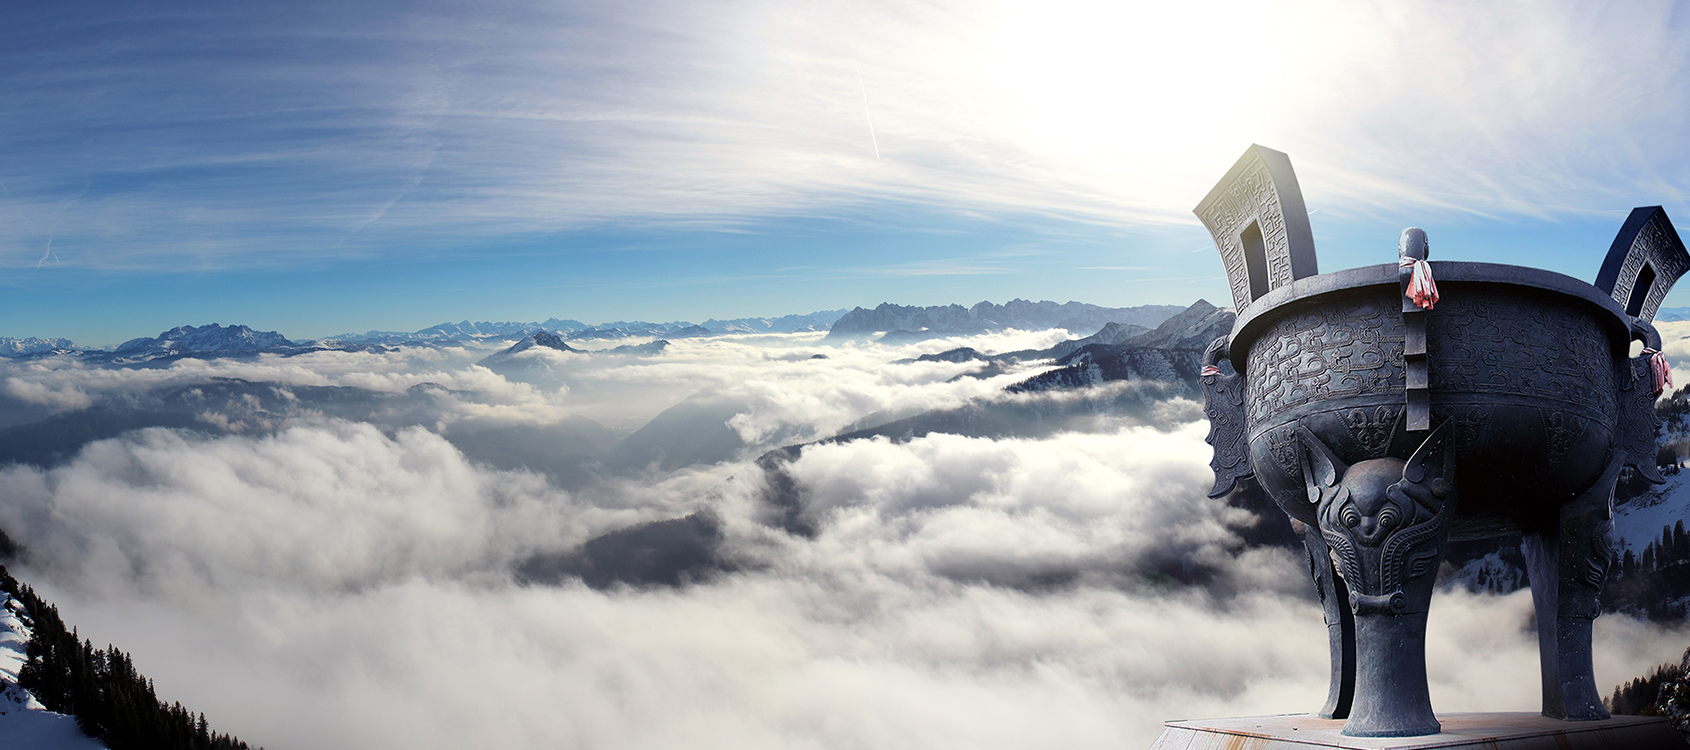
[(1376, 497), (1368, 504), (1384, 520)]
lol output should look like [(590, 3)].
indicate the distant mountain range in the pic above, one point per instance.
[(900, 323), (219, 340), (1117, 375), (10, 347), (202, 341), (508, 359), (893, 323), (467, 332)]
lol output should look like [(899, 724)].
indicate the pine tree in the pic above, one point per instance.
[(100, 687), (1673, 700)]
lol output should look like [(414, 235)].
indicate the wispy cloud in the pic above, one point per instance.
[(940, 267), (249, 136)]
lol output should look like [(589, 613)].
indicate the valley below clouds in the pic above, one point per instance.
[(406, 548)]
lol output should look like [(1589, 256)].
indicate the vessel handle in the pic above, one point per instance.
[(1221, 349), (1642, 330)]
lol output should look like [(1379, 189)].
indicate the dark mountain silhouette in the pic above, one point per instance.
[(694, 431), (662, 553), (57, 439)]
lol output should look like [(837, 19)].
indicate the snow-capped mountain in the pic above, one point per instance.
[(218, 340), (461, 332), (512, 359), (908, 322), (816, 321), (689, 332), (467, 332), (624, 329), (200, 340), (541, 339), (206, 342), (11, 348), (1172, 353)]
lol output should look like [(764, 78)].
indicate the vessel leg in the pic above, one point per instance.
[(1340, 624)]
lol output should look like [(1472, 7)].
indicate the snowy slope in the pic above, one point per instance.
[(12, 348), (24, 723), (1638, 521), (201, 339), (1494, 573)]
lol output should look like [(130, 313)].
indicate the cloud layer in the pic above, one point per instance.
[(333, 582), (370, 600)]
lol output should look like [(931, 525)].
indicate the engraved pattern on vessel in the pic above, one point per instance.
[(1223, 403), (1652, 243), (1351, 347), (1563, 429), (1638, 423), (1519, 346), (1633, 264), (1283, 443), (1372, 428), (1397, 546), (1472, 426), (1672, 265), (1251, 198), (1344, 557)]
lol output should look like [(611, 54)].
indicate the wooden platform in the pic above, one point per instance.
[(1491, 731)]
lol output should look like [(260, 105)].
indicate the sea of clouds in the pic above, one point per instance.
[(318, 580)]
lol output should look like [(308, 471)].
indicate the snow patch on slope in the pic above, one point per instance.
[(1638, 521), (24, 722), (1488, 574)]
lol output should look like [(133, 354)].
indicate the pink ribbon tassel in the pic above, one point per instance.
[(1421, 288), (1662, 370)]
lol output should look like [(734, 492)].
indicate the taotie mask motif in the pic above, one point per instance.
[(1385, 520)]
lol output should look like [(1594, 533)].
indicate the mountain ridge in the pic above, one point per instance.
[(915, 323), (903, 322), (568, 328)]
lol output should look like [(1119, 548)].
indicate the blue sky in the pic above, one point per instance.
[(323, 168)]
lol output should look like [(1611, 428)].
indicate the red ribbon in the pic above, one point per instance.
[(1662, 370), (1421, 288), (1209, 370)]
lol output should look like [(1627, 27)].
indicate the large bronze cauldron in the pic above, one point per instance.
[(1384, 429)]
